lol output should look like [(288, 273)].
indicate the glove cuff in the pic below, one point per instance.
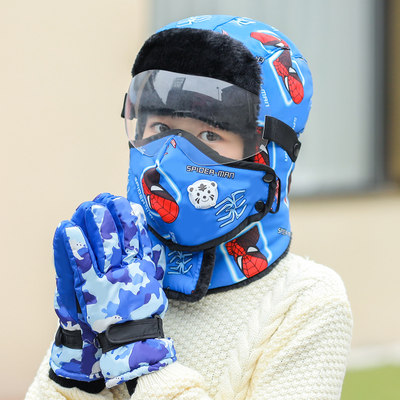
[(89, 387), (69, 361), (131, 386)]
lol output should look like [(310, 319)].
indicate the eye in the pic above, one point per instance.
[(209, 136), (159, 127)]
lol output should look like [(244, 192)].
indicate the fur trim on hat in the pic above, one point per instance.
[(200, 52)]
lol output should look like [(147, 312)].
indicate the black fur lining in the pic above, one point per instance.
[(206, 270), (200, 52)]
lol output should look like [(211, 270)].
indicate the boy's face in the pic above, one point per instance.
[(226, 143)]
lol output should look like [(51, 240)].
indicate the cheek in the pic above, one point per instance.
[(237, 153), (146, 134), (231, 150), (236, 148)]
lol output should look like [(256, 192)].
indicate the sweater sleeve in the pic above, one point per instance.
[(43, 388), (307, 355), (172, 382), (297, 348)]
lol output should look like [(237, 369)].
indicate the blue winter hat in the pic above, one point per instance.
[(242, 51)]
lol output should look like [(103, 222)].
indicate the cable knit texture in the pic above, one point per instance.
[(285, 336)]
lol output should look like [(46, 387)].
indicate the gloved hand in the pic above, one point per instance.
[(73, 355), (117, 278)]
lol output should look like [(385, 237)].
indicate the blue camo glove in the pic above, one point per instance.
[(117, 280), (73, 354)]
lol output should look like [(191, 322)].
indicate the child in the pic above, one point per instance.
[(213, 114)]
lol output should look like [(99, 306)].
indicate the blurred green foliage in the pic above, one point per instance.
[(372, 384)]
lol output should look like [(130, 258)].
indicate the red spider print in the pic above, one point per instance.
[(261, 158), (246, 253), (283, 65), (158, 198)]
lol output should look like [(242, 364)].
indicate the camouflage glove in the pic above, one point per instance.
[(73, 355), (117, 279)]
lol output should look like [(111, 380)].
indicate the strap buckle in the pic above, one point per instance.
[(71, 339), (282, 134)]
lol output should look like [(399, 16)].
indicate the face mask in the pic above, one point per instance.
[(193, 199)]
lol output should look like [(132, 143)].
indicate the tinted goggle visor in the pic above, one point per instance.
[(217, 113)]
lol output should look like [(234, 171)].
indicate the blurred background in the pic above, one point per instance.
[(65, 67)]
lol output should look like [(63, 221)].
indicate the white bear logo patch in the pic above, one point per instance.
[(203, 194)]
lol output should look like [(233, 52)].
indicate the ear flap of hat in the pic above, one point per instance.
[(200, 52)]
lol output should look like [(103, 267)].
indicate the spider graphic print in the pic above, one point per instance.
[(283, 65), (246, 253), (231, 208), (179, 262)]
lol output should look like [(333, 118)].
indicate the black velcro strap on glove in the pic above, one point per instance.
[(128, 332), (283, 135), (71, 339)]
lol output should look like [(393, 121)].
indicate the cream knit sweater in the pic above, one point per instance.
[(285, 336)]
